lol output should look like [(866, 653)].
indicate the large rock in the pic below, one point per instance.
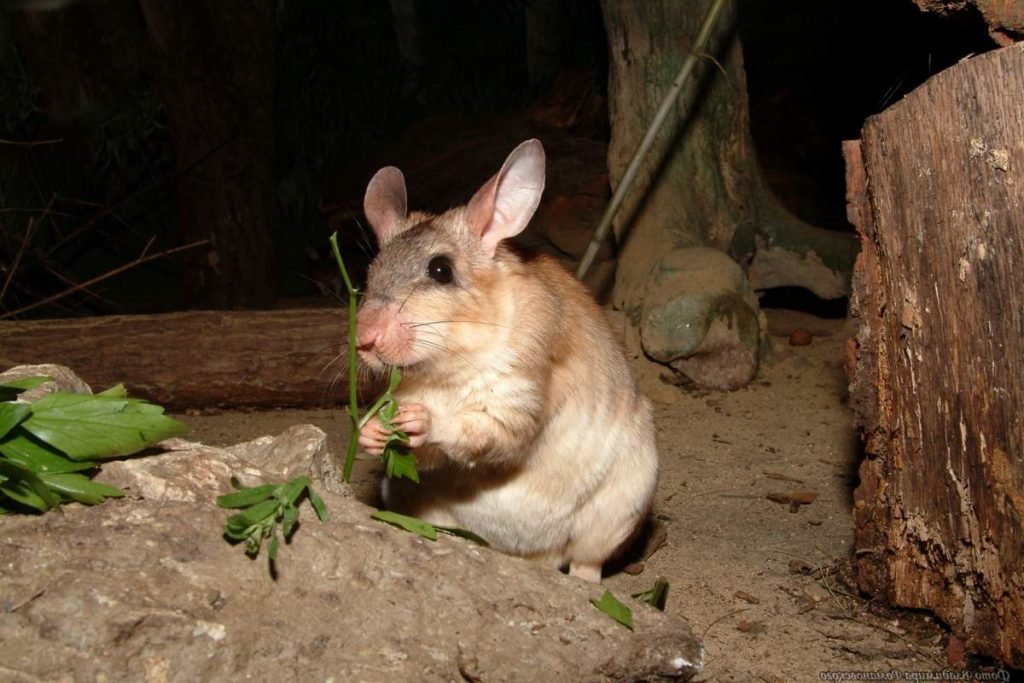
[(145, 588), (701, 317)]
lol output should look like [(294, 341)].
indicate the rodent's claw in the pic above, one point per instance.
[(414, 420)]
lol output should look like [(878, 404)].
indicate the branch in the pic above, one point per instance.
[(30, 143), (117, 271)]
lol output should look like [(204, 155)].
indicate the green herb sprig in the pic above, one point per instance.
[(49, 449), (397, 458), (267, 508)]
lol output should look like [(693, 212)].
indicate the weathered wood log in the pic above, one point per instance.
[(1004, 18), (196, 359), (937, 385)]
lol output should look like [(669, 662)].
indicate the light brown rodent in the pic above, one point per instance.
[(522, 410)]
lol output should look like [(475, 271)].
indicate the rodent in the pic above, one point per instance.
[(522, 409)]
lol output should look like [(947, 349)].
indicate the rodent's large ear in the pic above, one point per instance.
[(505, 204), (385, 203)]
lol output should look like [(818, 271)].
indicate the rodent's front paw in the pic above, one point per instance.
[(414, 420), (374, 436)]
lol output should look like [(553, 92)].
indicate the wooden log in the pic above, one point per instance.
[(937, 386), (196, 359), (1004, 18)]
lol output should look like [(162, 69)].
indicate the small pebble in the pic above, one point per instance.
[(800, 337)]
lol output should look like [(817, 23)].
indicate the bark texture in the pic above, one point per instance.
[(939, 356), (1004, 18), (191, 360)]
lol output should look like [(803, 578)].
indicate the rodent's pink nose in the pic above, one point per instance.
[(368, 329)]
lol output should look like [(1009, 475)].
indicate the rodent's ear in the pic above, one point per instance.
[(385, 203), (505, 204)]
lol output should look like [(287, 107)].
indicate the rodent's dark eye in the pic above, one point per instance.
[(440, 270)]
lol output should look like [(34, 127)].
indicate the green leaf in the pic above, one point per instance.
[(24, 486), (272, 547), (611, 606), (116, 391), (416, 526), (394, 379), (289, 516), (657, 596), (11, 414), (246, 496), (87, 427), (20, 492), (23, 449), (318, 504), (290, 492), (254, 515), (80, 488), (463, 533), (400, 463), (255, 540), (388, 411), (10, 390)]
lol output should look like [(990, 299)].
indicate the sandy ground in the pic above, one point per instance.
[(763, 583)]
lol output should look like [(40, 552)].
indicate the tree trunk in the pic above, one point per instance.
[(263, 359), (697, 185), (215, 78), (937, 387), (700, 187)]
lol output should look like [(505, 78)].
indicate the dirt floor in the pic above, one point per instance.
[(761, 582)]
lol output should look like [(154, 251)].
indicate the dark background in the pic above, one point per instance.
[(282, 113)]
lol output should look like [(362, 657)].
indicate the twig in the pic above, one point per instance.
[(89, 283), (648, 140), (723, 617), (17, 257), (899, 636), (112, 208), (25, 601), (52, 270), (30, 143)]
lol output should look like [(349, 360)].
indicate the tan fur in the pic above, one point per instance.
[(538, 438)]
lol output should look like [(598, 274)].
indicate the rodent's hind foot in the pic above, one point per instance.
[(587, 572)]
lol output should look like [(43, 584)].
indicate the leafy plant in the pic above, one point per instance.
[(615, 609), (50, 448), (266, 508), (398, 460), (657, 596)]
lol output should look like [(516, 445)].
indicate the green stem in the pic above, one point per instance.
[(353, 389)]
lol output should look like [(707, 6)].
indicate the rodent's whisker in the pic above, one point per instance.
[(364, 242), (461, 355), (453, 322), (406, 300)]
